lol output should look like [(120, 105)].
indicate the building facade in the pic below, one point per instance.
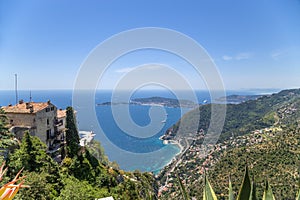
[(40, 119)]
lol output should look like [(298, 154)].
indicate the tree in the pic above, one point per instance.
[(7, 142), (3, 123), (32, 156), (39, 188), (75, 189), (72, 137)]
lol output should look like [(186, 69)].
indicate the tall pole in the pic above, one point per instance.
[(16, 87)]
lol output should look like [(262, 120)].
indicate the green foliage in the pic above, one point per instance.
[(97, 151), (230, 194), (182, 188), (273, 152), (246, 192), (3, 123), (245, 189), (31, 156), (253, 191), (41, 171), (268, 194), (75, 189), (7, 144), (40, 188), (242, 118), (85, 173), (277, 158), (208, 192), (72, 137)]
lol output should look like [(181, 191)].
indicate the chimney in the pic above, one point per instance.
[(27, 105), (48, 102), (31, 108), (21, 101)]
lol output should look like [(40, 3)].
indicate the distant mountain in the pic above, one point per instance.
[(235, 99)]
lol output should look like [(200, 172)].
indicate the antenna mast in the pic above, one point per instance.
[(16, 87), (30, 97)]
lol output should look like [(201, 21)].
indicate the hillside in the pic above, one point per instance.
[(240, 118), (267, 139)]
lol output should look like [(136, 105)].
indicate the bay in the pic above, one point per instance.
[(130, 150)]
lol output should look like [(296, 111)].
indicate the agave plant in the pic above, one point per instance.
[(9, 190), (247, 190), (208, 192)]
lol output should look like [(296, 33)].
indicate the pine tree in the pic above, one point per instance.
[(31, 156), (3, 123), (72, 137)]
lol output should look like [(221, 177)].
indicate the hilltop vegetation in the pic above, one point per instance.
[(262, 133), (240, 118), (275, 159)]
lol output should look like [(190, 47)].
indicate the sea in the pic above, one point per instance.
[(129, 133)]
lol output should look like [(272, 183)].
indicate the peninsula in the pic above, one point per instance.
[(156, 101)]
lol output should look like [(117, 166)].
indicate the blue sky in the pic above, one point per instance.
[(254, 43)]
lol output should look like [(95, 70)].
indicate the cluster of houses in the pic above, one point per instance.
[(210, 154), (43, 120)]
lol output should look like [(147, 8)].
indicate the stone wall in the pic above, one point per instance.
[(37, 123), (45, 121)]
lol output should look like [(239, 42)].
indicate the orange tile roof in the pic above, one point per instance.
[(61, 113), (22, 108)]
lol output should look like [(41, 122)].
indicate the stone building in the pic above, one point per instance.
[(40, 119)]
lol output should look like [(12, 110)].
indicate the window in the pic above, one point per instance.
[(48, 134), (47, 109), (11, 121), (47, 121), (33, 119), (52, 108)]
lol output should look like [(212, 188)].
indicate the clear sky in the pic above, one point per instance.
[(254, 43)]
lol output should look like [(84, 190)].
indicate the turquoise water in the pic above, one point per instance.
[(132, 152)]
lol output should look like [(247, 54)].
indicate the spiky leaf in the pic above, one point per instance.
[(253, 191), (182, 188), (230, 195), (208, 192), (245, 189), (268, 194)]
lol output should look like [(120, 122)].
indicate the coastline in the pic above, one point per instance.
[(174, 159), (173, 142)]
